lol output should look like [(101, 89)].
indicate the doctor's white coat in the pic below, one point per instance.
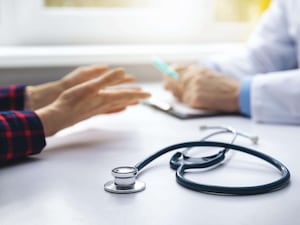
[(272, 56)]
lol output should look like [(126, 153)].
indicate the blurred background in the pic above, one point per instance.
[(68, 33), (128, 21)]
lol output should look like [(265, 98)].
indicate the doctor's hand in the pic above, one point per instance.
[(202, 88), (44, 94), (93, 97)]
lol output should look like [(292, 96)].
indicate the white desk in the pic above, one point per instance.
[(64, 184)]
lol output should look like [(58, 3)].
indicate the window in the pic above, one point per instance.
[(44, 22), (101, 3), (240, 10)]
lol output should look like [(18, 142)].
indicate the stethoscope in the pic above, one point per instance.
[(125, 176)]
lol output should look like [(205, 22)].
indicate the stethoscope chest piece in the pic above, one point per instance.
[(125, 181)]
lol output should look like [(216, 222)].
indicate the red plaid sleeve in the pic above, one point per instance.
[(12, 97), (21, 134)]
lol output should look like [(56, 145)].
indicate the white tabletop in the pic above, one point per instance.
[(64, 184)]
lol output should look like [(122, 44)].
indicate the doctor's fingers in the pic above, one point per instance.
[(180, 67), (173, 86), (193, 75), (193, 100), (168, 82), (176, 92)]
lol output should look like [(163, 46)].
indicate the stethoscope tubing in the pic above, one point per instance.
[(249, 190), (220, 189), (163, 151)]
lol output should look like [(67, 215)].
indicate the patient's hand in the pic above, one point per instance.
[(44, 94), (88, 99), (202, 88)]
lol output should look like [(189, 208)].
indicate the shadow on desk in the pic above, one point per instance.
[(75, 141), (83, 139), (18, 162)]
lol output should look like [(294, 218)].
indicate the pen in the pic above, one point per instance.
[(163, 67)]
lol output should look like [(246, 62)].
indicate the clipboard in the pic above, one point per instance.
[(177, 109)]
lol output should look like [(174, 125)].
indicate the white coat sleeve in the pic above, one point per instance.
[(270, 47), (271, 58), (276, 97)]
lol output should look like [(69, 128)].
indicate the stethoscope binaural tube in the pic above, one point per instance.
[(220, 130)]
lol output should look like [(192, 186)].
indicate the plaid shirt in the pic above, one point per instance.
[(21, 132)]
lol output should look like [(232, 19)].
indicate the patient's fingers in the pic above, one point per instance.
[(125, 95), (82, 74), (112, 99), (111, 77), (92, 71), (126, 79)]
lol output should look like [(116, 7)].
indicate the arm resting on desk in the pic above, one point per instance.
[(12, 97), (21, 134)]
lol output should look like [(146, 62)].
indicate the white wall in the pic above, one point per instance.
[(40, 75)]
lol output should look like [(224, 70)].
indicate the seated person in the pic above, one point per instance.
[(263, 82), (29, 114)]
